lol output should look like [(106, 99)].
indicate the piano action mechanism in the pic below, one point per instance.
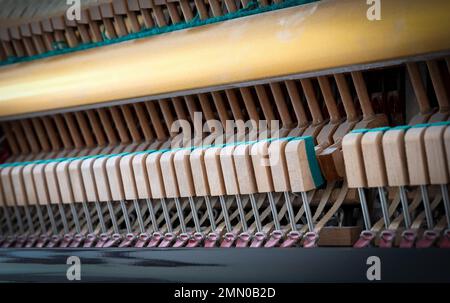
[(210, 123)]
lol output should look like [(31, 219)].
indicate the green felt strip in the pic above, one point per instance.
[(442, 123), (378, 129), (313, 163), (46, 161), (405, 127)]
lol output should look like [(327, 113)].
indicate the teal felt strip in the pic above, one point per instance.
[(46, 161), (401, 127), (309, 146), (359, 131), (251, 9), (422, 125), (405, 127), (442, 123), (315, 170), (378, 129), (312, 160)]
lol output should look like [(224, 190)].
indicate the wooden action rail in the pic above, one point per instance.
[(401, 157)]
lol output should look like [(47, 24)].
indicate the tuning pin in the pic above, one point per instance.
[(184, 236), (356, 178), (42, 241), (143, 237), (75, 218), (51, 217), (198, 236), (294, 236), (90, 237), (229, 236), (130, 237), (311, 237), (55, 238), (248, 238), (169, 236), (104, 233), (107, 240), (66, 240), (115, 239), (67, 236), (156, 235), (277, 234), (213, 236), (90, 240), (260, 236), (111, 241)]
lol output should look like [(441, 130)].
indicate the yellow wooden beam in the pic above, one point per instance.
[(323, 35)]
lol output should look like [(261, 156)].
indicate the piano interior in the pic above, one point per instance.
[(226, 124)]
